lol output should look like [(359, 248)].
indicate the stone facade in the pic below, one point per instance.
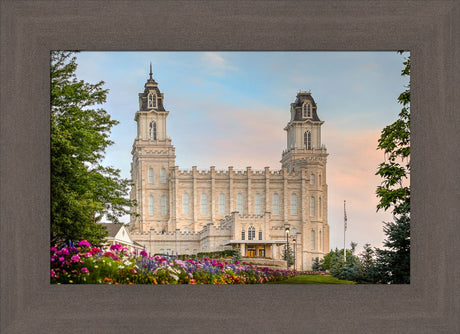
[(194, 211)]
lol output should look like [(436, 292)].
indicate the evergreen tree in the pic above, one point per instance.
[(288, 255), (82, 190), (316, 265), (393, 263)]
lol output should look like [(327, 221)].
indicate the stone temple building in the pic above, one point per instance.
[(255, 211)]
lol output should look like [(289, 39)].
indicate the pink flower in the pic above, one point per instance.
[(95, 250), (84, 270), (88, 254), (143, 253), (75, 258), (61, 259), (84, 243), (53, 273), (54, 249)]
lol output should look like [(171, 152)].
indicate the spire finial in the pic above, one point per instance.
[(150, 70)]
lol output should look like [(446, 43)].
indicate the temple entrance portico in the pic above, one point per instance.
[(258, 248)]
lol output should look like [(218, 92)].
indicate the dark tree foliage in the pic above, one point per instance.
[(82, 190), (393, 262)]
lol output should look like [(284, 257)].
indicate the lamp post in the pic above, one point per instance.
[(286, 229)]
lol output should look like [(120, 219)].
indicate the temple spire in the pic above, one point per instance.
[(150, 70)]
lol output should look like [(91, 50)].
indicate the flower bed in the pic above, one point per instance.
[(116, 265)]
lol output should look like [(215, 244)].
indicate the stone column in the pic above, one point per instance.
[(267, 189), (213, 181), (249, 201), (194, 198), (230, 190), (285, 195)]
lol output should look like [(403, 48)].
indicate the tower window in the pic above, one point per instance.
[(260, 234), (307, 140), (306, 110), (242, 235), (150, 205), (163, 205), (185, 204), (239, 203), (258, 204), (312, 206), (293, 204), (152, 100), (221, 204), (204, 204), (251, 233), (163, 175), (150, 175), (312, 179), (153, 131), (319, 207), (312, 239), (276, 204)]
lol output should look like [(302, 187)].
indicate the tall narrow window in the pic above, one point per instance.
[(185, 205), (221, 204), (163, 205), (308, 110), (319, 179), (152, 100), (150, 205), (312, 179), (312, 206), (258, 205), (307, 140), (239, 203), (320, 241), (150, 175), (320, 209), (163, 175), (153, 131), (260, 234), (242, 235), (251, 233), (312, 241), (276, 204), (204, 204), (293, 204)]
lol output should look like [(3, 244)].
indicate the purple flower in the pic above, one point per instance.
[(84, 270), (84, 243)]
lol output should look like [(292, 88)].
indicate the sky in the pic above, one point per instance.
[(230, 109)]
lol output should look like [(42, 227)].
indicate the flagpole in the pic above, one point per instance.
[(344, 231)]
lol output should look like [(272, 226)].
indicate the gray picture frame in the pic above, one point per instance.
[(30, 29)]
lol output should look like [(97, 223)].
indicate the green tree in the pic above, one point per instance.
[(82, 190), (288, 254), (393, 263)]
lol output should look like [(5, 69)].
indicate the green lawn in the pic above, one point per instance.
[(313, 279)]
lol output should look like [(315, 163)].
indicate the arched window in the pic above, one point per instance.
[(163, 205), (153, 131), (239, 203), (204, 204), (185, 205), (163, 175), (242, 235), (293, 204), (152, 100), (319, 179), (162, 251), (306, 110), (260, 234), (312, 206), (150, 205), (150, 175), (307, 140), (276, 204), (312, 241), (251, 233), (258, 204), (222, 204), (312, 179)]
